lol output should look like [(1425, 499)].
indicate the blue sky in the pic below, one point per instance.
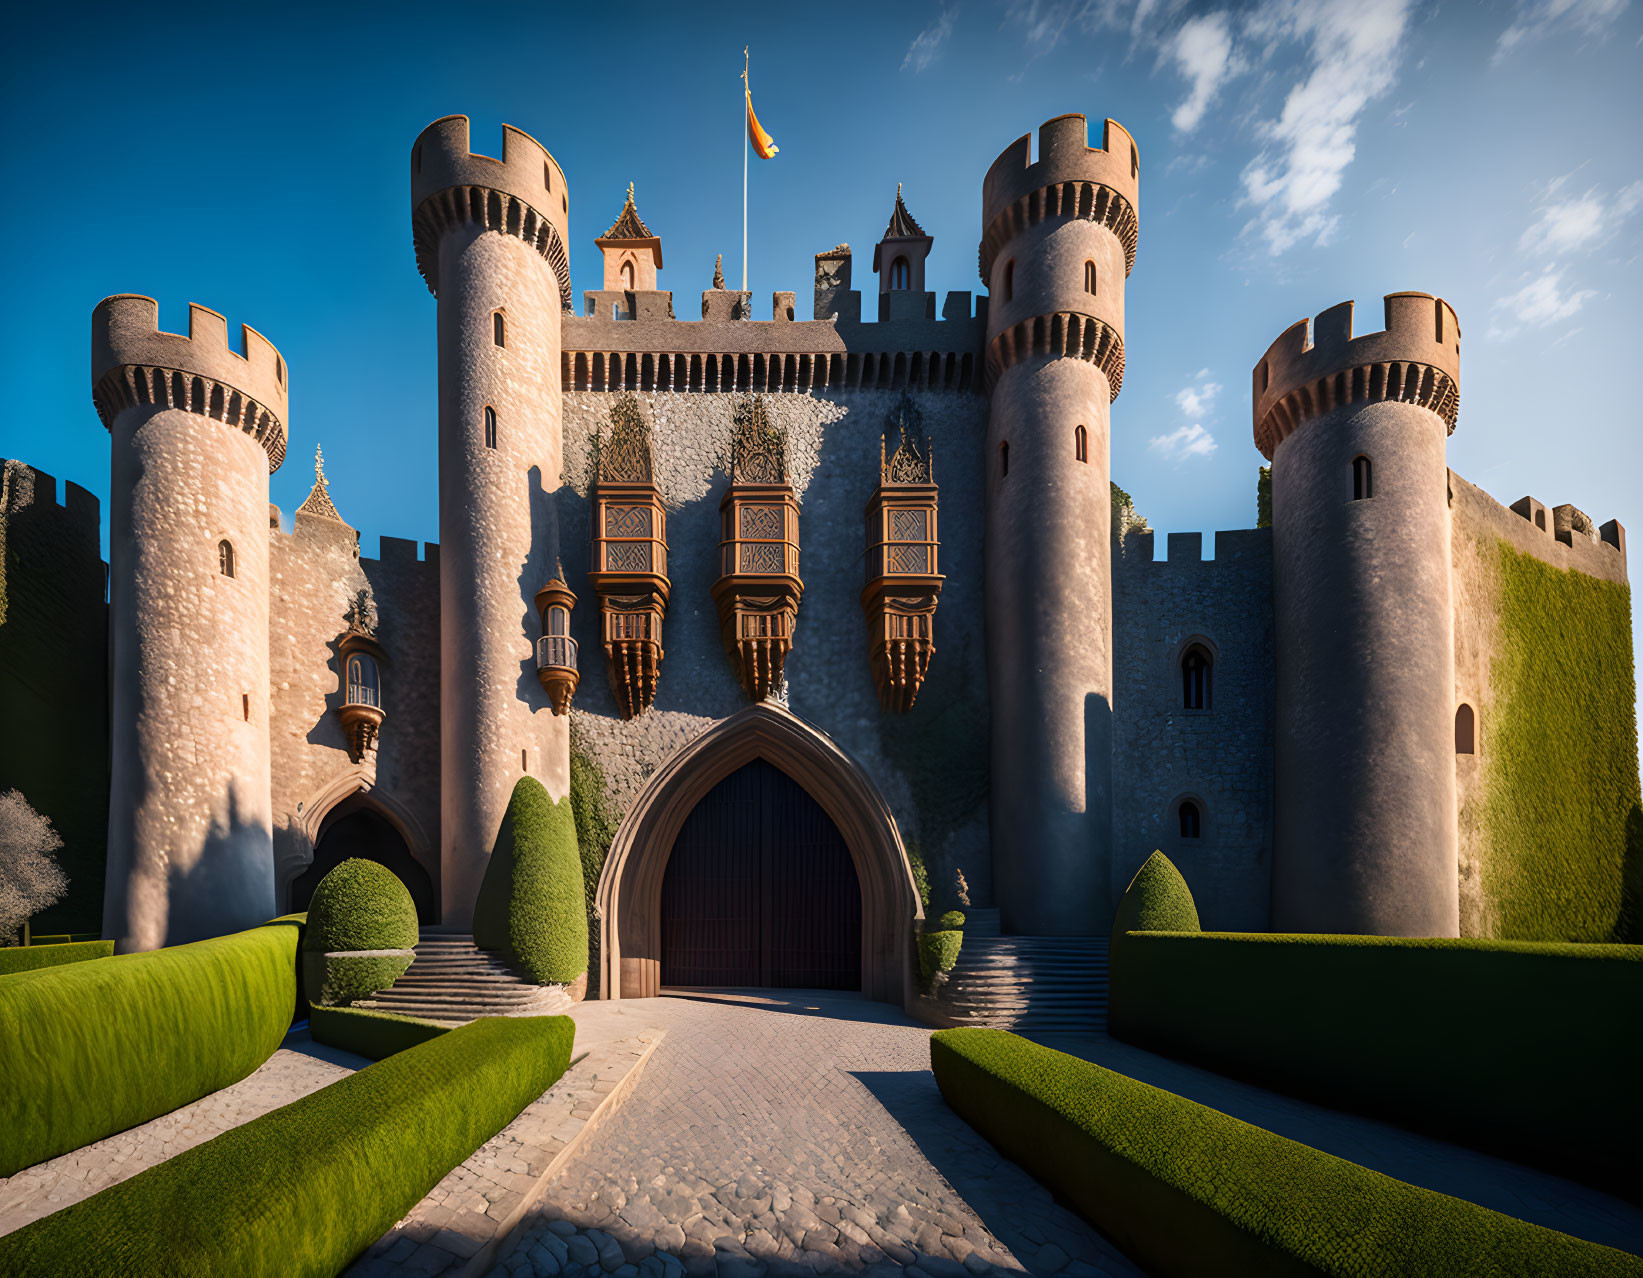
[(1294, 153)]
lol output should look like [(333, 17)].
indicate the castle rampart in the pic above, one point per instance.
[(133, 363), (524, 195)]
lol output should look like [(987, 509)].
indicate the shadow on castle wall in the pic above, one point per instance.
[(230, 887)]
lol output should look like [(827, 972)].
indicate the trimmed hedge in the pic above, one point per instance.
[(937, 952), (1529, 1050), (1157, 900), (335, 980), (531, 904), (1184, 1189), (91, 1049), (952, 921), (30, 958), (306, 1188), (370, 1033), (360, 905)]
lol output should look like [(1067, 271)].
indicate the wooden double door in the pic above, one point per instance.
[(760, 890)]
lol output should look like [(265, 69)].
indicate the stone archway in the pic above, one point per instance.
[(630, 886)]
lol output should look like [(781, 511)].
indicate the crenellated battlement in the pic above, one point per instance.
[(134, 362), (1070, 179), (523, 194), (1317, 365), (1185, 550)]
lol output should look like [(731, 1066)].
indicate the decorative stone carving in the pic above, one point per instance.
[(556, 666), (903, 575), (629, 562), (759, 589)]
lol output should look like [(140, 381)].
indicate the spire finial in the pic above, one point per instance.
[(319, 464), (318, 501), (719, 271), (630, 192)]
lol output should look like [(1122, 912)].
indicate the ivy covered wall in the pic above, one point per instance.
[(1551, 832)]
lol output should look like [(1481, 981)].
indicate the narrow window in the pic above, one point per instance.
[(225, 558), (1465, 731), (279, 370), (627, 274), (1003, 459), (1009, 279), (558, 621), (1081, 444), (900, 274), (547, 176), (1196, 667), (1363, 479), (1191, 819), (1089, 278), (524, 761), (245, 705), (499, 329), (1266, 375), (490, 427)]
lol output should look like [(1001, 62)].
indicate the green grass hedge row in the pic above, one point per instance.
[(531, 904), (30, 958), (1529, 1050), (1183, 1189), (370, 1033), (333, 980), (91, 1049), (306, 1188), (360, 905)]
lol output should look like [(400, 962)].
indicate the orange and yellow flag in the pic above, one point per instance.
[(763, 145)]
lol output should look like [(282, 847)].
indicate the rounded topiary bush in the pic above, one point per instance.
[(937, 952), (1157, 900), (360, 905), (951, 921), (531, 905), (360, 934)]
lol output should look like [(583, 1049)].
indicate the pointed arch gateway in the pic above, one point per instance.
[(630, 886)]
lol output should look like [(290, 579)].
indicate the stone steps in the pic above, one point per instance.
[(1047, 984), (453, 980)]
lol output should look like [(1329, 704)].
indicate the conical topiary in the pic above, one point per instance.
[(1157, 900), (531, 906)]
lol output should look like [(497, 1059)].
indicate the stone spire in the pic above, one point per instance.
[(902, 225), (719, 272), (318, 502)]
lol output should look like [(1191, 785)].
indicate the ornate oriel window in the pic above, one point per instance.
[(629, 572), (759, 589), (903, 573), (556, 667), (360, 657)]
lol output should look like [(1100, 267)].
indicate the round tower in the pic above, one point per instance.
[(490, 242), (1355, 428), (1058, 243), (196, 429)]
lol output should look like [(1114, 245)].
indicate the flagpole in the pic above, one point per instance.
[(746, 89)]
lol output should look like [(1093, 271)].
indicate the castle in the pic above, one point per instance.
[(992, 675)]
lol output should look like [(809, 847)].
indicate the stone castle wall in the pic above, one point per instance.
[(316, 572), (1220, 757), (930, 764), (54, 677)]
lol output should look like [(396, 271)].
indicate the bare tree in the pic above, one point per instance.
[(30, 878)]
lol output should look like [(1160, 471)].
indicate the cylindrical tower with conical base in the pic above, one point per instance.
[(196, 428), (1058, 243), (490, 242), (1365, 835)]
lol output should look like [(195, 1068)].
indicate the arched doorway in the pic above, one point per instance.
[(760, 890), (631, 885), (359, 830)]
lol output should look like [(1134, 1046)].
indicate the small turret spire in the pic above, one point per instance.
[(318, 502)]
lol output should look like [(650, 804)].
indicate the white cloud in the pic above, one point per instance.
[(926, 46), (1184, 442), (1355, 47), (1042, 22), (1585, 220), (1539, 18), (1196, 401), (1202, 52), (1543, 301)]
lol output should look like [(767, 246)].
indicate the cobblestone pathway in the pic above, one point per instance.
[(792, 1138)]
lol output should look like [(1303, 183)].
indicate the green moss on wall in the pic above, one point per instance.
[(1559, 750), (596, 822), (1263, 498)]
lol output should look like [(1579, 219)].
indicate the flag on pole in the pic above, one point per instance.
[(764, 146)]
